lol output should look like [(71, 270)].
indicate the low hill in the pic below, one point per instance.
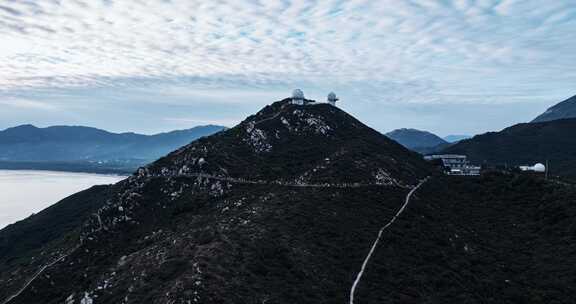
[(417, 140), (29, 147), (563, 110), (525, 144)]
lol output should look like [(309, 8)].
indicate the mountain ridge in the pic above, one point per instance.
[(525, 144), (30, 147), (562, 110), (417, 140)]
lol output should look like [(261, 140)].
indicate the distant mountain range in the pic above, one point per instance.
[(423, 142), (80, 148), (417, 140), (455, 138), (525, 144), (562, 110)]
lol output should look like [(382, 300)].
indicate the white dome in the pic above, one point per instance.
[(539, 167), (332, 97), (297, 94)]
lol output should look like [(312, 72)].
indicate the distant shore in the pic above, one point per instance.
[(79, 167)]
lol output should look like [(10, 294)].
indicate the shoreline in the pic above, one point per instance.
[(72, 167)]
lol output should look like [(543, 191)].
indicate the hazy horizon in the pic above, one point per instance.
[(185, 124)]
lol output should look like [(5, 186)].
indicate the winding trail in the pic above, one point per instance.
[(36, 275), (365, 263), (389, 183)]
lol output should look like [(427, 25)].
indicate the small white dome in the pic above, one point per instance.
[(539, 167), (297, 94), (332, 97)]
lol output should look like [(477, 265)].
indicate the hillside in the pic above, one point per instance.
[(29, 147), (525, 144), (563, 110), (417, 140), (283, 208)]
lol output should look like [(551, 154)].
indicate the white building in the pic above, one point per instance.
[(298, 97), (455, 164), (332, 99), (539, 168)]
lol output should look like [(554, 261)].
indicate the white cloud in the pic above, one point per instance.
[(27, 104), (218, 45)]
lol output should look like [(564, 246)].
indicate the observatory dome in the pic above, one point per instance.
[(539, 167), (297, 94), (332, 96)]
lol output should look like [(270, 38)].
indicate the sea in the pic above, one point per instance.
[(25, 192)]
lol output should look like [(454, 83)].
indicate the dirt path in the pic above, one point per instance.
[(392, 183), (365, 263), (36, 275)]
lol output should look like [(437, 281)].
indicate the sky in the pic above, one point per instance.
[(450, 67)]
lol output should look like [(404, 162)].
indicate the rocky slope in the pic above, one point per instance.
[(563, 110)]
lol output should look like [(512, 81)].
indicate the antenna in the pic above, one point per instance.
[(547, 168)]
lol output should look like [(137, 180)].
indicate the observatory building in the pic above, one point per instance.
[(298, 97), (538, 168), (332, 99), (455, 164)]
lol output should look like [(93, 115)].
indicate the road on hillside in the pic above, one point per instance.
[(375, 244), (38, 273)]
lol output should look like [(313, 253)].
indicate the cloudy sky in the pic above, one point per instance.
[(451, 67)]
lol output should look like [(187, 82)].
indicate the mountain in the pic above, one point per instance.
[(30, 147), (562, 110), (284, 208), (455, 138), (525, 144), (256, 212), (416, 140)]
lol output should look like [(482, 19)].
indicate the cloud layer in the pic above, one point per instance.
[(414, 47), (383, 52)]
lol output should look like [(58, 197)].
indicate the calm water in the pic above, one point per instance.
[(25, 192)]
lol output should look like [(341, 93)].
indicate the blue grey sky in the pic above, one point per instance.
[(450, 67)]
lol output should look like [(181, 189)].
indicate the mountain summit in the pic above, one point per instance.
[(316, 143), (563, 110)]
